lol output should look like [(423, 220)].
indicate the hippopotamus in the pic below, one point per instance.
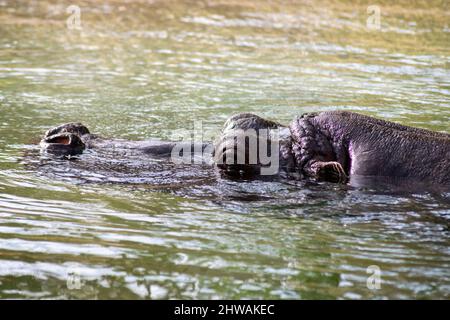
[(331, 146)]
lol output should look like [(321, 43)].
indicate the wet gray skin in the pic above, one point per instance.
[(328, 146), (73, 138)]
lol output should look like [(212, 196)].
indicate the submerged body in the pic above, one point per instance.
[(330, 146)]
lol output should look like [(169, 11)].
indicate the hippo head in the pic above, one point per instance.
[(246, 146), (64, 140)]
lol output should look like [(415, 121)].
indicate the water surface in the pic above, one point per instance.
[(146, 69)]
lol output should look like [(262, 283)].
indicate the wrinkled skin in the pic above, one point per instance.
[(331, 146), (336, 145), (365, 146)]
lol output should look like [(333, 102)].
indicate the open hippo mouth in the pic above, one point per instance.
[(62, 144), (64, 140)]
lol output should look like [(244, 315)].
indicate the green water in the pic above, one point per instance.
[(148, 69)]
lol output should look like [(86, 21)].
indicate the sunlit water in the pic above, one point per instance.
[(150, 69)]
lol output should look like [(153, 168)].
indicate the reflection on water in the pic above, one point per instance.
[(148, 69)]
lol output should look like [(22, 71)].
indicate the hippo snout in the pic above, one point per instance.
[(235, 155), (65, 140), (63, 144)]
